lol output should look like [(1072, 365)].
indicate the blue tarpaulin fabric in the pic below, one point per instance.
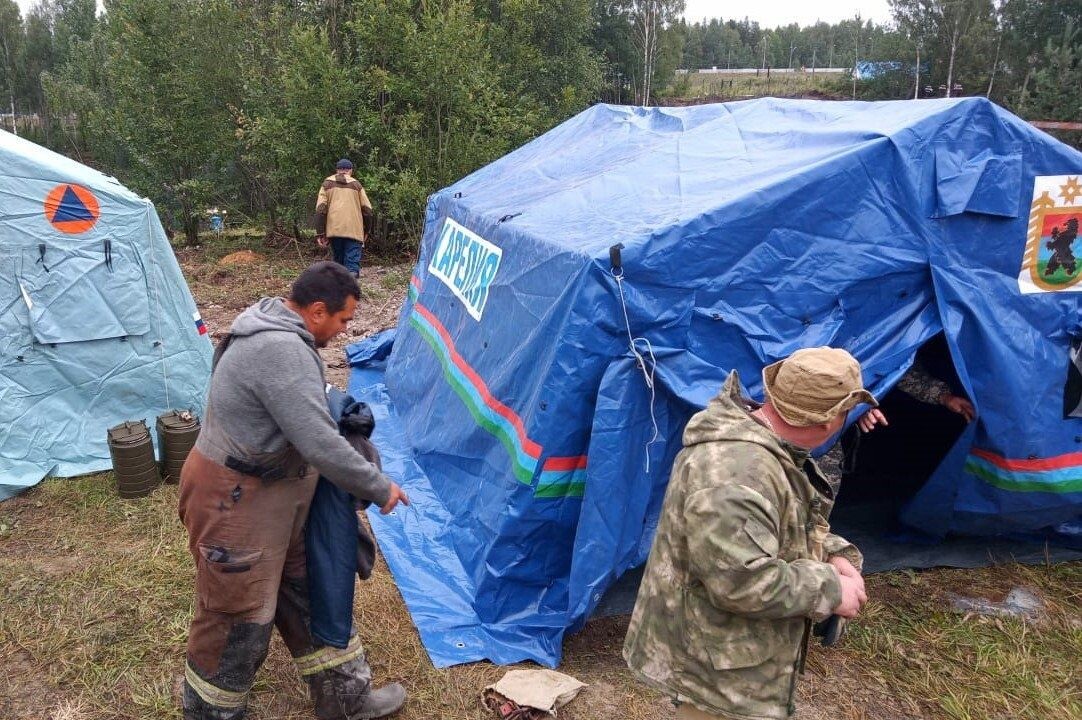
[(97, 325), (539, 380)]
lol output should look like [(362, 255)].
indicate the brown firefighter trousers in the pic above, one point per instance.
[(247, 537)]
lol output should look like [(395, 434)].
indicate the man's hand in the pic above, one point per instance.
[(844, 567), (396, 494), (870, 419), (321, 240), (853, 596), (959, 405)]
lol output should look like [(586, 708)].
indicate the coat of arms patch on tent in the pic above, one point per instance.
[(1050, 262)]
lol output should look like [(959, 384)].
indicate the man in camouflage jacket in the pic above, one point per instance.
[(744, 561)]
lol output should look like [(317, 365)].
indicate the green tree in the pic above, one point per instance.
[(543, 46), (37, 58), (957, 37), (612, 42), (155, 104), (73, 25), (652, 22), (304, 110), (642, 40), (11, 40), (1054, 89), (1027, 27), (411, 92), (442, 110)]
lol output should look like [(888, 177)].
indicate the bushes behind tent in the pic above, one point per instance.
[(246, 106)]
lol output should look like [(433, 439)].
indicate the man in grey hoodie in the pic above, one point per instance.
[(244, 497)]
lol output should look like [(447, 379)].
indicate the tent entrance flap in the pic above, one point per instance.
[(883, 470)]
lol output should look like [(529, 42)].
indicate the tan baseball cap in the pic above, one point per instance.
[(814, 385)]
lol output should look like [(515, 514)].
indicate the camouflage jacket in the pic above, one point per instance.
[(737, 571)]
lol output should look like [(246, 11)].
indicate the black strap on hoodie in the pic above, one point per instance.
[(223, 345)]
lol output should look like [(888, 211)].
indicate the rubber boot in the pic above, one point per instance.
[(381, 702), (344, 692), (196, 708)]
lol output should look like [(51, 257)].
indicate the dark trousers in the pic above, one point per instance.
[(347, 252)]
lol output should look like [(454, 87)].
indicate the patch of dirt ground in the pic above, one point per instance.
[(25, 692), (224, 287)]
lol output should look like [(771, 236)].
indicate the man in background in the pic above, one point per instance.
[(342, 209)]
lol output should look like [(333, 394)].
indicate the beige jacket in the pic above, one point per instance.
[(341, 207)]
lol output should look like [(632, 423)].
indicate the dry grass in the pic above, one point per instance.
[(740, 87), (97, 593), (932, 662)]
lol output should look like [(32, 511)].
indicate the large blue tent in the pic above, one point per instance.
[(97, 325), (577, 300)]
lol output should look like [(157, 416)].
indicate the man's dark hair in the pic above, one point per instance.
[(326, 282)]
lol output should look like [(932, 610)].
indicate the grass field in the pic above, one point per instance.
[(97, 593), (737, 87), (96, 596)]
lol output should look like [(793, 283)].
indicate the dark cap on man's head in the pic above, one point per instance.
[(343, 164)]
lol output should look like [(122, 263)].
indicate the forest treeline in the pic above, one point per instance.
[(245, 104)]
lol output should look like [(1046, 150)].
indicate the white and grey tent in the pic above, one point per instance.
[(97, 324)]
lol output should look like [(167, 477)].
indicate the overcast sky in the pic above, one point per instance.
[(769, 13)]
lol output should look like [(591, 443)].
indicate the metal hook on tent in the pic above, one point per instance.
[(108, 254), (41, 257), (616, 262), (505, 218)]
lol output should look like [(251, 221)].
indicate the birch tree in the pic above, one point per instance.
[(650, 18), (954, 36)]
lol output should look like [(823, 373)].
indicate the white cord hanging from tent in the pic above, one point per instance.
[(617, 272)]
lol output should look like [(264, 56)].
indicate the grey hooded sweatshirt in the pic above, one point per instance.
[(267, 393)]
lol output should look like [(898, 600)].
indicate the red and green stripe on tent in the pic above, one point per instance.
[(559, 476)]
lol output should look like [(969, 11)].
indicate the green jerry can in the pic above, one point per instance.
[(132, 451), (177, 431)]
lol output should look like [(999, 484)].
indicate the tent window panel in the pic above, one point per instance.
[(90, 292)]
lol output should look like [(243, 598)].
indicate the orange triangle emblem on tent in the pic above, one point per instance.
[(71, 208)]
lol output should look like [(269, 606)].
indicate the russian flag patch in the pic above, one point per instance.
[(200, 326)]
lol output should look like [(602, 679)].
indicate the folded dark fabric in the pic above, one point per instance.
[(337, 544), (355, 418)]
